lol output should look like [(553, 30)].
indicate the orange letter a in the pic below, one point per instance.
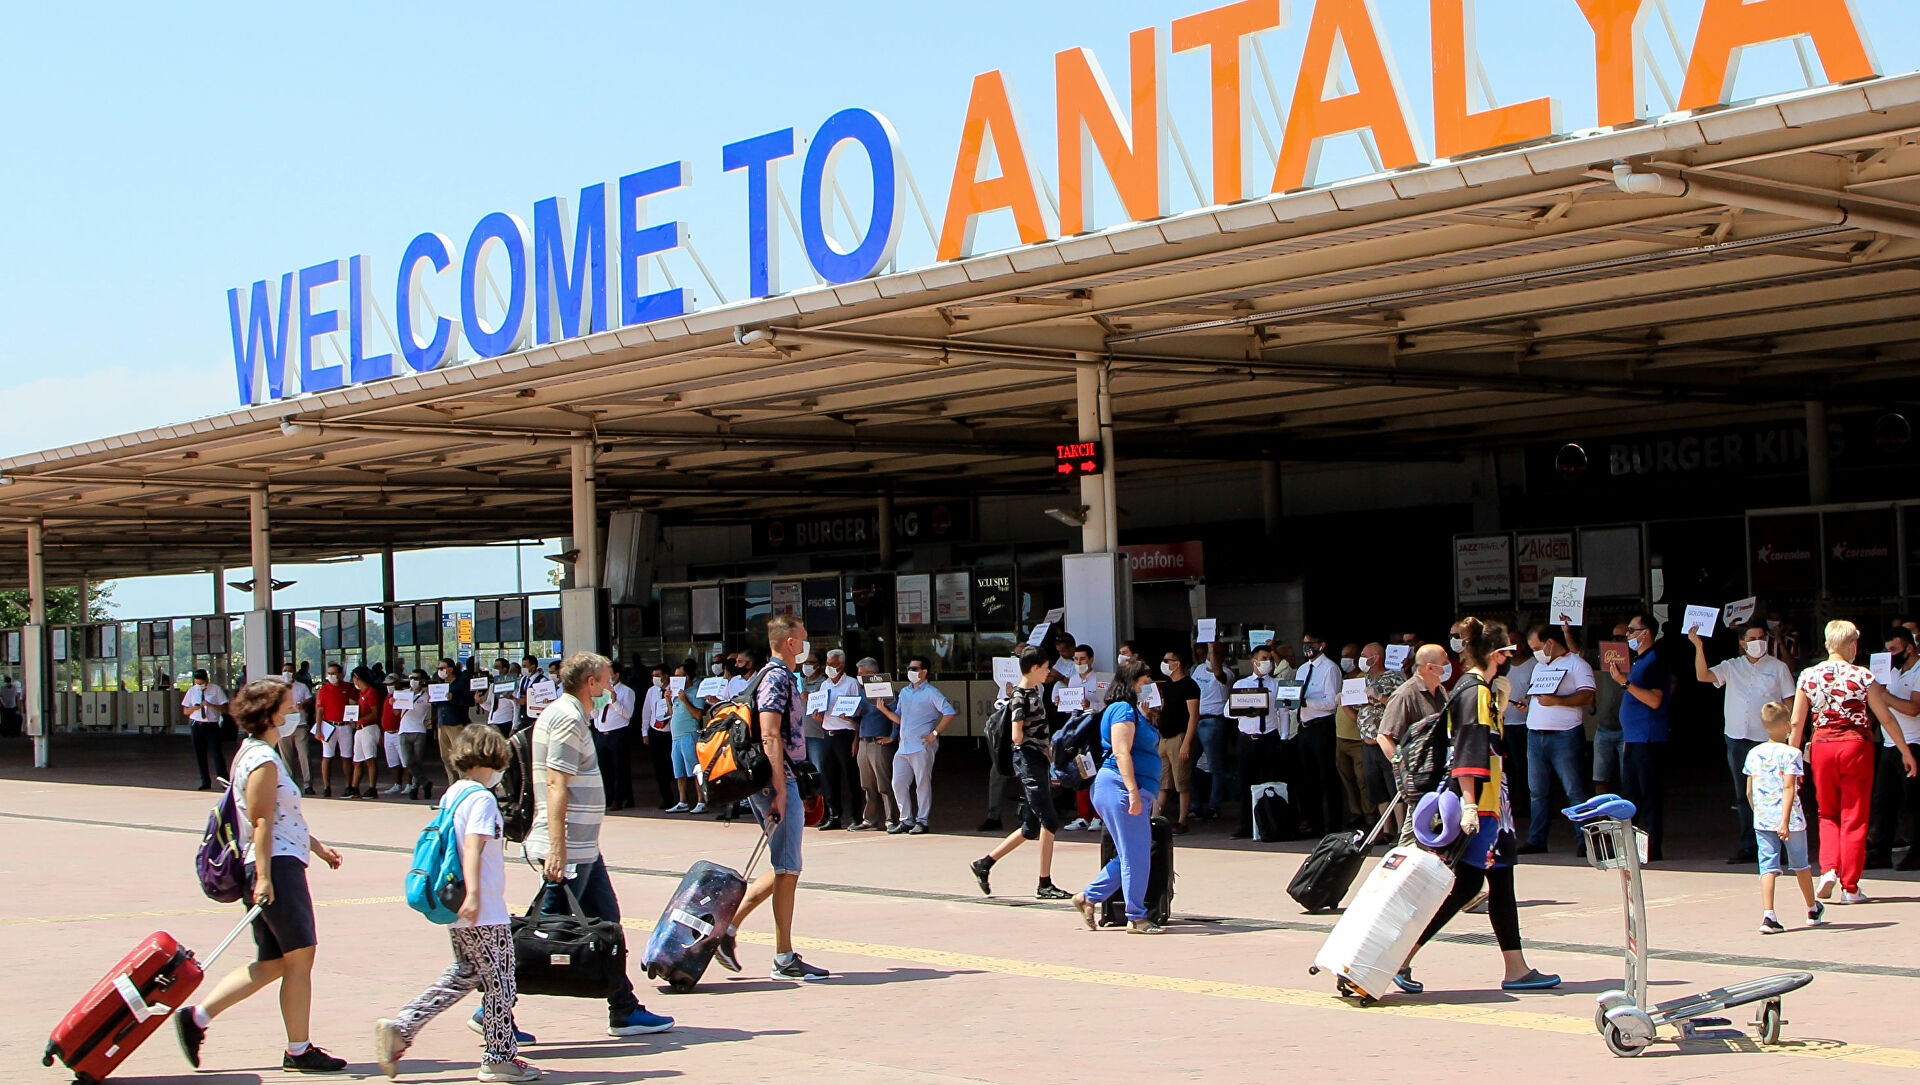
[(1728, 26), (990, 118)]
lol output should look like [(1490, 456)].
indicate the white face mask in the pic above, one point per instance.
[(1446, 672), (1347, 666), (1454, 644), (834, 672), (717, 670), (809, 669), (1263, 667), (1166, 668), (290, 723), (1540, 656), (333, 679), (287, 677), (659, 683), (1123, 659), (1756, 649), (1084, 669), (915, 675)]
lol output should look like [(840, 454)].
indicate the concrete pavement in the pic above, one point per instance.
[(934, 982)]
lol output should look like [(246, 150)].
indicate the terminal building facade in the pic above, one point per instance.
[(1669, 354)]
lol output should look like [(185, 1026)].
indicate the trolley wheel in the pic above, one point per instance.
[(1313, 970), (1600, 1020), (1368, 1000), (1622, 1044), (1769, 1023), (1345, 988)]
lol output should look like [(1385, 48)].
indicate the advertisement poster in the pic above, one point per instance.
[(953, 595), (1483, 568), (913, 599), (1538, 558)]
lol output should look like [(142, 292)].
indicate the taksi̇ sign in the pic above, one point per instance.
[(567, 268)]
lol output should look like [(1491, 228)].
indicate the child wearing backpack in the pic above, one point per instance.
[(470, 820)]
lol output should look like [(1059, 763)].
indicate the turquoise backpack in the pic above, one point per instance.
[(436, 882)]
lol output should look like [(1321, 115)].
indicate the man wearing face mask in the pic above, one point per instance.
[(816, 733), (612, 726), (1349, 755), (414, 739), (298, 742), (569, 805), (1417, 698), (1376, 768), (1606, 736), (1643, 727), (840, 768), (1750, 680), (503, 712), (203, 704), (1085, 818), (336, 740), (1892, 787), (656, 709), (1322, 802), (1555, 729), (529, 674), (1125, 654), (450, 715), (1261, 735), (922, 712), (741, 672), (1179, 725)]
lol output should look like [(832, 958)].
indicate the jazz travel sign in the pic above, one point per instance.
[(577, 266)]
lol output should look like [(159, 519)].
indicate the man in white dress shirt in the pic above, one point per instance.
[(1264, 734), (612, 728), (203, 704), (1750, 680), (1322, 803)]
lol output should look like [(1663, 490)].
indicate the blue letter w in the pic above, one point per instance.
[(265, 338)]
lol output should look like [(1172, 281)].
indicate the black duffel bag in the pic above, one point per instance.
[(570, 954)]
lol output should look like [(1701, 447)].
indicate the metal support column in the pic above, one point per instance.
[(1109, 501), (219, 589), (387, 595), (33, 644), (1094, 583), (580, 604), (1087, 385), (1819, 455), (257, 634)]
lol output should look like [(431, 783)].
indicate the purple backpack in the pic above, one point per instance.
[(222, 870)]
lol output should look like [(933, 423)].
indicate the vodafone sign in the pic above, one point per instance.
[(1165, 561)]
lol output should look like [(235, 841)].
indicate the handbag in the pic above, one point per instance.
[(568, 954)]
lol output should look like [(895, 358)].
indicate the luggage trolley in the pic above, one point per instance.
[(1624, 1017)]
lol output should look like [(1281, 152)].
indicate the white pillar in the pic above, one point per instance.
[(1086, 395), (586, 526), (33, 655), (1110, 503), (257, 637), (219, 589), (1819, 458)]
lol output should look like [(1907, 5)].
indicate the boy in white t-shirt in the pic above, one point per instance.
[(482, 942), (1779, 828)]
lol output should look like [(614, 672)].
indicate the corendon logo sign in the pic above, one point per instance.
[(564, 268), (1768, 554)]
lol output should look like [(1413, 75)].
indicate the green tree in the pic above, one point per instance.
[(63, 605)]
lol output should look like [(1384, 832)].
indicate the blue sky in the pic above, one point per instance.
[(161, 155)]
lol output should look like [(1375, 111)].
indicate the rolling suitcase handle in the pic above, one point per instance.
[(142, 1009), (1386, 815)]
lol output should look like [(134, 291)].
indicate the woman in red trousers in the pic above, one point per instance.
[(1842, 702)]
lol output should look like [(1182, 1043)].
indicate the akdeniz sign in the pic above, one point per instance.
[(579, 267)]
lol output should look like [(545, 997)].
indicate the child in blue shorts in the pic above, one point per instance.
[(1779, 828)]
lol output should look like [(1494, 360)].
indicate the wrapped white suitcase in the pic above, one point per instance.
[(1399, 897)]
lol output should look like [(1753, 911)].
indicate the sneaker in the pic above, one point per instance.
[(919, 829), (477, 1024), (1478, 905), (797, 969), (516, 1070), (1817, 913), (832, 823), (190, 1035), (397, 789), (1827, 883), (1770, 925), (311, 1061), (1085, 907), (326, 793), (1051, 891), (698, 808), (862, 827), (1074, 826), (895, 828), (679, 808), (1853, 896), (370, 793), (1096, 826), (1404, 980), (308, 792), (982, 870), (426, 791), (639, 1023), (350, 793), (388, 1046), (727, 953), (1144, 926)]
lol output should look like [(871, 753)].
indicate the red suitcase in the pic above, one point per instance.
[(129, 1005)]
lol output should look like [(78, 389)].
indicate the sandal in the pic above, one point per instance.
[(1534, 980)]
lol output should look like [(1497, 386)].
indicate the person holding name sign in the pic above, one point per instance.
[(1265, 723), (689, 711), (1560, 689), (413, 734), (1751, 680), (840, 766), (1032, 730)]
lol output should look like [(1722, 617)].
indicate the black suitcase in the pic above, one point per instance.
[(1159, 877), (1328, 872)]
